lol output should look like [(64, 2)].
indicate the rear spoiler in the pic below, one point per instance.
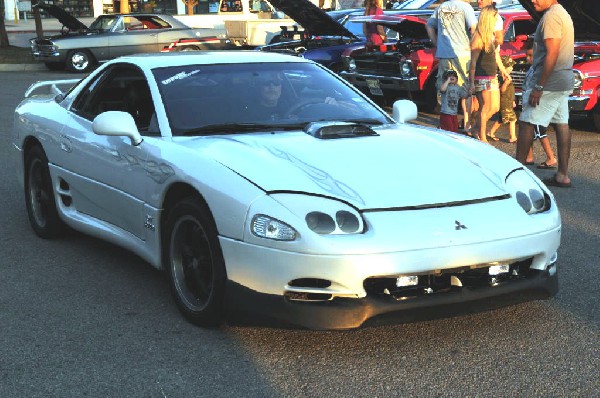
[(53, 86)]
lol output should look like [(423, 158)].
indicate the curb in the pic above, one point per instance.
[(22, 67)]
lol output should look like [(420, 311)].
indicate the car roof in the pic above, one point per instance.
[(160, 60)]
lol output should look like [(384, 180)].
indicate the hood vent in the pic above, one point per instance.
[(332, 130)]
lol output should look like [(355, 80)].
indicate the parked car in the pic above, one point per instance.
[(307, 216), (323, 39), (586, 67), (79, 48), (407, 67)]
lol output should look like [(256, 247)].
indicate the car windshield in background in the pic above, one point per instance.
[(234, 98), (103, 23)]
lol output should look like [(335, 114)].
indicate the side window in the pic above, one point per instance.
[(231, 6), (523, 27), (509, 35), (120, 88)]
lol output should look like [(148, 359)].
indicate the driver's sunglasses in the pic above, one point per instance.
[(273, 82)]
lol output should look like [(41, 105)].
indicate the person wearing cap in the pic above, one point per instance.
[(452, 94), (507, 103)]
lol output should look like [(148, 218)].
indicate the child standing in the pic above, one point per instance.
[(507, 103), (452, 93)]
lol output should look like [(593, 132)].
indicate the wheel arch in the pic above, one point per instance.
[(176, 193), (29, 143)]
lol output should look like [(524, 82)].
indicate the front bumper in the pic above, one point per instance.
[(348, 291), (378, 84), (47, 53), (576, 103), (250, 306)]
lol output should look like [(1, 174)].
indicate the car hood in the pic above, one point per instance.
[(415, 4), (63, 17), (389, 170), (585, 15), (410, 26), (311, 18)]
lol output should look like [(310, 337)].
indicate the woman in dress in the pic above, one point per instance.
[(483, 73), (374, 33)]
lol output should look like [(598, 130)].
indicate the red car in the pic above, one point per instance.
[(408, 67), (587, 81)]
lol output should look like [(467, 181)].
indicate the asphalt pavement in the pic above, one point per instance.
[(80, 317)]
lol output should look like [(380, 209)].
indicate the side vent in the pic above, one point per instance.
[(332, 130)]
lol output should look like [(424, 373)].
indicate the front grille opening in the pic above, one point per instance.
[(447, 281), (302, 296), (310, 283)]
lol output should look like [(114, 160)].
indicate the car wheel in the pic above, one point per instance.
[(79, 61), (54, 65), (193, 261), (189, 48), (430, 101), (596, 117), (39, 196)]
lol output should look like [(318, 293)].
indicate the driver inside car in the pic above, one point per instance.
[(276, 99)]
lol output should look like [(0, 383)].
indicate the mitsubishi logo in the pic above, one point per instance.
[(459, 226)]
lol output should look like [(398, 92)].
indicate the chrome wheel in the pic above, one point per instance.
[(79, 61)]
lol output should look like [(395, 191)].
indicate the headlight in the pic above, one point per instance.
[(267, 227), (527, 192), (579, 77), (406, 69), (323, 216)]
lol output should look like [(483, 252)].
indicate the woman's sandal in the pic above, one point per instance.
[(493, 137), (545, 165)]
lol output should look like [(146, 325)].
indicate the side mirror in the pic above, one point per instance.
[(404, 111), (118, 124)]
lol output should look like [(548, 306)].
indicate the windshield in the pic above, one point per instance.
[(103, 23), (233, 98)]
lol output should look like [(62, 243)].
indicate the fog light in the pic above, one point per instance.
[(499, 269), (404, 281)]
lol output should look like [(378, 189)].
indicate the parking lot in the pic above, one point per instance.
[(81, 317)]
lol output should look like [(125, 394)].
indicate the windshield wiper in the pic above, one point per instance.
[(234, 128), (363, 121)]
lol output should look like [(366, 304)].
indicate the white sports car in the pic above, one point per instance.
[(268, 188)]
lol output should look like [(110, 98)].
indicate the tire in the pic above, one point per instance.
[(189, 48), (54, 65), (194, 263), (429, 101), (596, 117), (79, 61), (39, 196)]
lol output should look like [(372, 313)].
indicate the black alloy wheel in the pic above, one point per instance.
[(194, 263), (39, 196)]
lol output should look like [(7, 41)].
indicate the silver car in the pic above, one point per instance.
[(269, 188), (79, 48)]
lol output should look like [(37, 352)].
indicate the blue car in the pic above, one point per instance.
[(326, 36)]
